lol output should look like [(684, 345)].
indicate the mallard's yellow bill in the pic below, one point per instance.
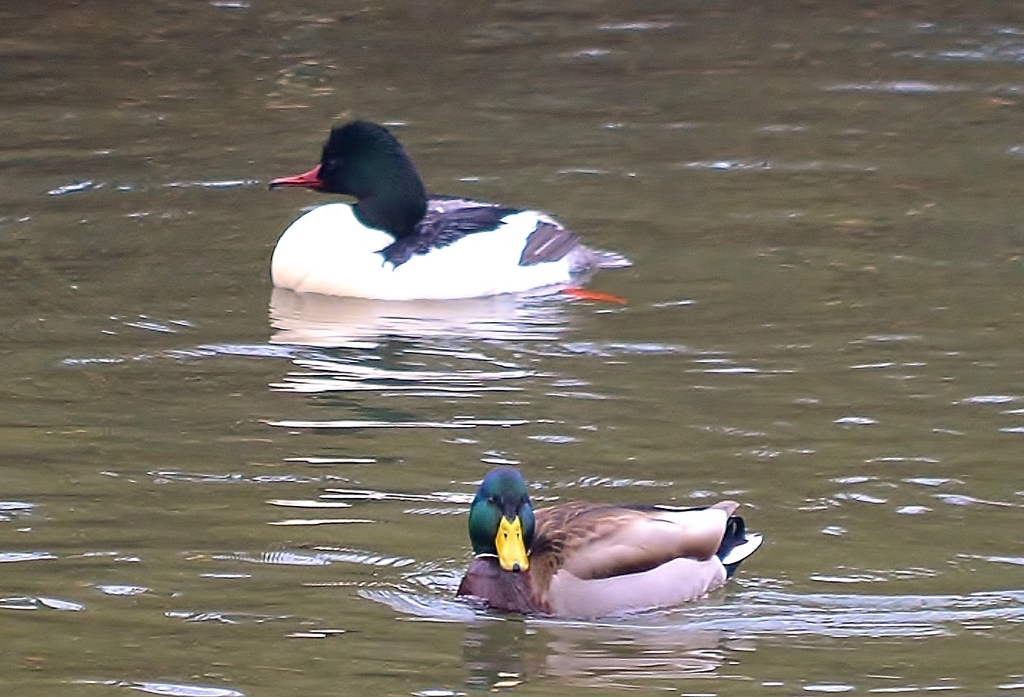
[(509, 543)]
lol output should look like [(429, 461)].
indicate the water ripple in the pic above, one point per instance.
[(277, 558), (776, 166), (322, 556), (610, 349), (375, 495), (224, 617), (73, 188), (864, 615), (773, 613), (213, 184), (635, 26), (616, 483), (897, 87), (307, 503), (989, 399), (168, 689), (320, 521), (186, 354), (436, 511), (964, 500), (36, 603), (122, 590), (24, 556), (336, 376), (1016, 561), (466, 377), (424, 607), (231, 478), (855, 421), (358, 424), (13, 509), (247, 350), (180, 690), (362, 557), (1006, 51)]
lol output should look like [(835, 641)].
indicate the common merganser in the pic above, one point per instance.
[(396, 243)]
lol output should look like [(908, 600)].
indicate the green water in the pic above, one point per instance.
[(822, 204)]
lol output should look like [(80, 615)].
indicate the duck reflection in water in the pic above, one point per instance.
[(503, 653), (310, 319)]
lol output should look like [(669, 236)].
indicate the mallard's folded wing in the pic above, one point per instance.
[(594, 541)]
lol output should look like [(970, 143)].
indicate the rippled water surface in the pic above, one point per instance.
[(210, 489)]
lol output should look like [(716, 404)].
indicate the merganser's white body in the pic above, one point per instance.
[(329, 251)]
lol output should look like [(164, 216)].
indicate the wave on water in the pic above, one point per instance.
[(772, 613)]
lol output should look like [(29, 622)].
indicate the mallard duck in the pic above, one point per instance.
[(398, 243), (584, 560)]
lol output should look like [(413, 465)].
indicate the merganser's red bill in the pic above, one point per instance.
[(308, 180)]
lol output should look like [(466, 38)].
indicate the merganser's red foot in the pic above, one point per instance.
[(584, 294)]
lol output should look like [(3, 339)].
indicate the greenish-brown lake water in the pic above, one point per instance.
[(210, 490)]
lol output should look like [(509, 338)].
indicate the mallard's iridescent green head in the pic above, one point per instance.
[(501, 519)]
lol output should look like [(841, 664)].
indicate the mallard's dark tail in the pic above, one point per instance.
[(737, 544)]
